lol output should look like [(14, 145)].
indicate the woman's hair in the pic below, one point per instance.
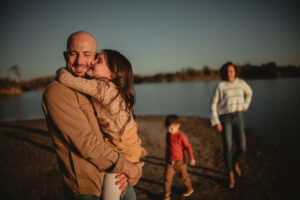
[(121, 67), (224, 70)]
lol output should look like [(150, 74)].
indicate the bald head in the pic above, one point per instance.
[(81, 35), (81, 52)]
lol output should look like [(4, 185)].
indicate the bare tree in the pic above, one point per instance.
[(16, 70)]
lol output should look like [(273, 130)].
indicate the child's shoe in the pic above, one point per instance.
[(188, 192), (167, 197)]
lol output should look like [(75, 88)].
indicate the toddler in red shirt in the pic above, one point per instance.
[(177, 144)]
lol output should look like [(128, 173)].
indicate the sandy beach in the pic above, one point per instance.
[(29, 169)]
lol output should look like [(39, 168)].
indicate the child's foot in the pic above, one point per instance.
[(231, 180), (167, 197), (237, 169), (188, 192)]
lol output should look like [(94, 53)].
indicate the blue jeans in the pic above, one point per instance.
[(129, 195), (233, 125)]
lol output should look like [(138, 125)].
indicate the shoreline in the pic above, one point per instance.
[(12, 92), (29, 168)]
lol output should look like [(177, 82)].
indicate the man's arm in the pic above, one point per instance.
[(66, 115), (61, 104)]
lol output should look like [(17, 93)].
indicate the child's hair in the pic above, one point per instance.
[(171, 119), (224, 70), (121, 67)]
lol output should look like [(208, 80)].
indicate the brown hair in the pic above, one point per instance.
[(224, 70), (121, 67), (171, 119)]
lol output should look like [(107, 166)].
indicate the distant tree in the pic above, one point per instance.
[(16, 70), (206, 70)]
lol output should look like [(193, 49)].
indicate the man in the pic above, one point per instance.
[(82, 154)]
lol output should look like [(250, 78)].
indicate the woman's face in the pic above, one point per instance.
[(100, 69), (231, 73)]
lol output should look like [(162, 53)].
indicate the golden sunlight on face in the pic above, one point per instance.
[(231, 73), (100, 69), (174, 128), (81, 53)]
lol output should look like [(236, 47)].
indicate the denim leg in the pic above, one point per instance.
[(129, 195), (240, 136), (226, 121)]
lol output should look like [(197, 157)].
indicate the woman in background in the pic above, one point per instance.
[(232, 97)]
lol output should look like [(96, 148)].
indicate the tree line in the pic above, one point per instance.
[(248, 71)]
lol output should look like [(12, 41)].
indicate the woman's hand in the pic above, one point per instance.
[(219, 127)]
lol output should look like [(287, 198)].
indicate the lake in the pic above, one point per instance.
[(273, 114)]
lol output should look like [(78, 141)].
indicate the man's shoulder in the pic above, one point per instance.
[(56, 89)]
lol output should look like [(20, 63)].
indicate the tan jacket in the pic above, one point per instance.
[(82, 153)]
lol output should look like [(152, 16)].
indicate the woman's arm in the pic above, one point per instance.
[(214, 104), (247, 94), (86, 86)]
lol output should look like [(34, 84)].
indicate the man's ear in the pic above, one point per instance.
[(66, 56)]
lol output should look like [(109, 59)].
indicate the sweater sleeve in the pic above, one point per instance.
[(83, 85), (214, 106), (247, 94), (187, 146)]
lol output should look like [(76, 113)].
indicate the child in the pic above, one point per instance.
[(113, 100), (177, 143)]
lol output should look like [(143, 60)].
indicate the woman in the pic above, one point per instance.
[(232, 97)]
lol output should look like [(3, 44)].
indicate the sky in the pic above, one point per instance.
[(157, 36)]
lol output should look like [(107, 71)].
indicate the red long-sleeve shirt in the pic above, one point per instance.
[(177, 143)]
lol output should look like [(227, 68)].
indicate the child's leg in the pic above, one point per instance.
[(169, 174), (111, 191), (182, 169)]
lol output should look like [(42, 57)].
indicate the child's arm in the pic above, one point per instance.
[(86, 86), (188, 147)]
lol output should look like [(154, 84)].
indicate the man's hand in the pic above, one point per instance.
[(123, 182), (133, 171), (219, 127)]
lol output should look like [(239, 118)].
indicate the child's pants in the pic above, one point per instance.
[(179, 167), (111, 191)]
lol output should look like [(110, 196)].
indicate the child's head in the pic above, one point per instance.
[(172, 123), (100, 69), (116, 67)]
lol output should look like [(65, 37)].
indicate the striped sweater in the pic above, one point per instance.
[(230, 97)]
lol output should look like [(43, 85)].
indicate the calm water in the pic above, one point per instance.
[(273, 114)]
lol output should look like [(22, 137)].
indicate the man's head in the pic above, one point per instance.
[(172, 123), (81, 52)]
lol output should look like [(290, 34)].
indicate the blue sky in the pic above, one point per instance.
[(156, 36)]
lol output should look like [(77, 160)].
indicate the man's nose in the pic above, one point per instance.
[(79, 59)]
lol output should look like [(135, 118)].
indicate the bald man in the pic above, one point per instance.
[(82, 154)]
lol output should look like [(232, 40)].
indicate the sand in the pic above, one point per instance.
[(29, 169)]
